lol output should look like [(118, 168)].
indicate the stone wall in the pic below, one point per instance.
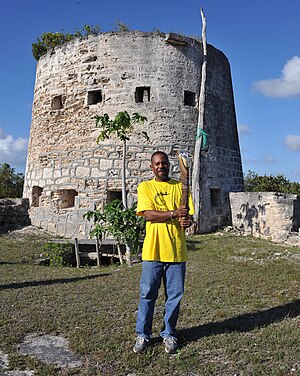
[(267, 215), (154, 74), (13, 214)]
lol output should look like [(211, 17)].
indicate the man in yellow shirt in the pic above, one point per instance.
[(164, 251)]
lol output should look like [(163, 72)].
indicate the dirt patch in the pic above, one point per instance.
[(28, 230)]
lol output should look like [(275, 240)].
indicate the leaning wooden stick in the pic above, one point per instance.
[(184, 176)]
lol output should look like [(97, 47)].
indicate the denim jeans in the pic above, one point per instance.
[(173, 275)]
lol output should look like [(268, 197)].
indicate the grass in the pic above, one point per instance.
[(240, 314)]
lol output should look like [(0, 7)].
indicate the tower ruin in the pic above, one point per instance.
[(155, 74)]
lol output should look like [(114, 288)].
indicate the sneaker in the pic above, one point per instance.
[(141, 344), (170, 345)]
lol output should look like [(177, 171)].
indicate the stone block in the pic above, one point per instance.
[(82, 171), (266, 214), (47, 173), (105, 164)]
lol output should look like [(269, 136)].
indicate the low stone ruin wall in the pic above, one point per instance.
[(13, 214), (268, 215)]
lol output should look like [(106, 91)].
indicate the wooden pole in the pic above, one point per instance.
[(196, 173), (77, 253), (124, 193), (120, 253), (98, 252)]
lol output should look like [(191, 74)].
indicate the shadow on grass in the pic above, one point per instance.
[(20, 285), (193, 245), (242, 323)]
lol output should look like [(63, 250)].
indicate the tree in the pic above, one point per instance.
[(123, 224), (11, 183), (122, 127), (279, 183)]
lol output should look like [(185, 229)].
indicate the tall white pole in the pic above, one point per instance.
[(196, 173)]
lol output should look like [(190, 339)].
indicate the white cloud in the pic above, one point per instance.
[(265, 159), (243, 129), (292, 142), (13, 151), (269, 159), (296, 172), (2, 133), (288, 85)]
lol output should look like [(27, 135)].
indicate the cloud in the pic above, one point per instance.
[(265, 159), (2, 133), (296, 173), (268, 159), (244, 129), (13, 150), (288, 85), (292, 142)]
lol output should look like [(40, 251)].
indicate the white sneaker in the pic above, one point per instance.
[(170, 345), (141, 344)]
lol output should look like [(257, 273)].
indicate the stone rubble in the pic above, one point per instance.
[(48, 349)]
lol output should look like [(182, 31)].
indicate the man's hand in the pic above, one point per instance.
[(185, 222), (162, 216), (183, 216), (181, 212)]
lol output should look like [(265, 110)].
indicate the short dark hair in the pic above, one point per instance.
[(159, 153)]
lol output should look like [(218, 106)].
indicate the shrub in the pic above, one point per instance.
[(59, 254), (51, 40), (123, 224), (279, 183)]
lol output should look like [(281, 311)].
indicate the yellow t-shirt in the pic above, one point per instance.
[(164, 241)]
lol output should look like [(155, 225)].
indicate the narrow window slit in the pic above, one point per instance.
[(142, 94)]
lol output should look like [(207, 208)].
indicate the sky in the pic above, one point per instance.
[(261, 39)]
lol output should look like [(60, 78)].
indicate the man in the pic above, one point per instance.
[(164, 251)]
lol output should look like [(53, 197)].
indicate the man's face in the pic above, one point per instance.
[(160, 166)]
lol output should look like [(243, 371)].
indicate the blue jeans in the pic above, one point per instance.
[(173, 275)]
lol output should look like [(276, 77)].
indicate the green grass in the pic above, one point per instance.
[(240, 314)]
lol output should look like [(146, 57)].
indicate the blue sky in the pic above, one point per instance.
[(259, 37)]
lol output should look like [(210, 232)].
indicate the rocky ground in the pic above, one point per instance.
[(46, 348)]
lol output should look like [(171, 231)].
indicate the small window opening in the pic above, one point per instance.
[(64, 198), (94, 97), (57, 103), (142, 94), (35, 196), (215, 197), (113, 195), (189, 98)]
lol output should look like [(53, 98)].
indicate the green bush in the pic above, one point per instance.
[(123, 224), (59, 254), (11, 183), (279, 183), (51, 40)]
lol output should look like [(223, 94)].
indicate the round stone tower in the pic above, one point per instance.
[(157, 75)]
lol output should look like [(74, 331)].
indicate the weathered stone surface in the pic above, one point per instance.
[(13, 214), (268, 215), (137, 72), (50, 350), (4, 368)]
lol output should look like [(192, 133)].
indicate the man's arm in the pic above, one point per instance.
[(163, 216)]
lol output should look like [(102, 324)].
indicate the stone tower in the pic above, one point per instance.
[(157, 75)]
